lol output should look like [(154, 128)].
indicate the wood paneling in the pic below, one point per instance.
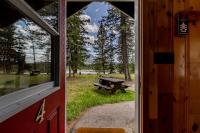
[(194, 76), (158, 78), (171, 92), (180, 86), (147, 7)]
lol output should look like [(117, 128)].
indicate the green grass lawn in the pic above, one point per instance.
[(81, 95)]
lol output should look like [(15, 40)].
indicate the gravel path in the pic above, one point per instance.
[(119, 115)]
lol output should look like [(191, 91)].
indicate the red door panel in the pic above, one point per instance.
[(53, 121), (54, 117), (25, 121)]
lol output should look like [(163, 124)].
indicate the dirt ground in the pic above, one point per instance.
[(119, 115)]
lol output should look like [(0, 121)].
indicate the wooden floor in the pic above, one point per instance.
[(100, 130)]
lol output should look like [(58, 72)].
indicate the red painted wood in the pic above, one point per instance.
[(24, 121), (62, 63), (53, 123)]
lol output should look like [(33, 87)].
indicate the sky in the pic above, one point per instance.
[(94, 11)]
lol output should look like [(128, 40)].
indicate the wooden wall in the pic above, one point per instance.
[(171, 92)]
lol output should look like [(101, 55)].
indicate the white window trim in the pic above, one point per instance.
[(15, 102)]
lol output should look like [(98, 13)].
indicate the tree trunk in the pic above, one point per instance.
[(70, 70), (73, 71), (124, 48), (76, 70), (34, 63)]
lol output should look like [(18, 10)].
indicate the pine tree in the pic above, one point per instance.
[(131, 43), (124, 47), (100, 48), (112, 25), (39, 40), (7, 51), (20, 42), (76, 43), (111, 53), (122, 25)]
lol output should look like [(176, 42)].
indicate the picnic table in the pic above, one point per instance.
[(111, 84)]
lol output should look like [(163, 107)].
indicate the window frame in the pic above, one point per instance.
[(12, 103)]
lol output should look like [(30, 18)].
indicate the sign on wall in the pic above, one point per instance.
[(182, 25)]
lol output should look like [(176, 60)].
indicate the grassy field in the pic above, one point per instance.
[(81, 95)]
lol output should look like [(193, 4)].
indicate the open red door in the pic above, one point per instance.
[(32, 66)]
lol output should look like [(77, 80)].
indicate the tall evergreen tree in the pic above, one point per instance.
[(122, 25), (100, 49), (124, 47), (112, 25), (20, 49), (39, 40), (131, 43), (76, 42), (111, 53), (7, 51)]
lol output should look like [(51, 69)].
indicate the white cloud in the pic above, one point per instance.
[(25, 30), (115, 32), (20, 30), (91, 28), (85, 17), (34, 27), (90, 39), (49, 17)]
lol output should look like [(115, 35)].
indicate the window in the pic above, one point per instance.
[(26, 50), (29, 54), (25, 56)]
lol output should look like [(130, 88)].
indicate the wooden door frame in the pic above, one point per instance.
[(139, 60)]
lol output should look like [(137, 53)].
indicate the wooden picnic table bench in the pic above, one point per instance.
[(111, 84)]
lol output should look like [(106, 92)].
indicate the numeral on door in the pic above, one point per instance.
[(41, 112)]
